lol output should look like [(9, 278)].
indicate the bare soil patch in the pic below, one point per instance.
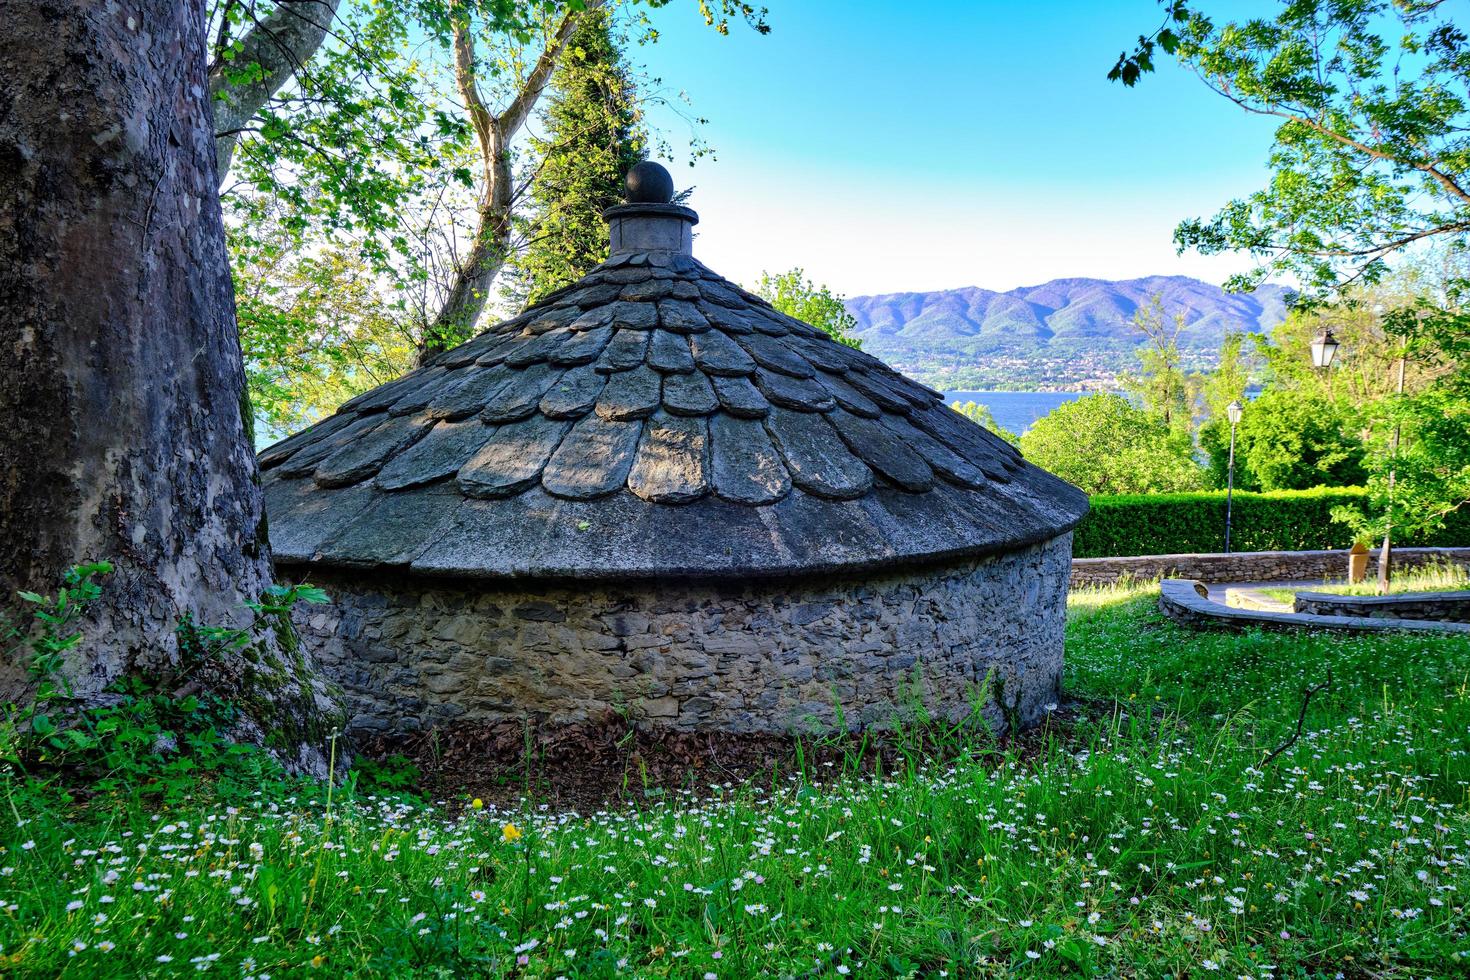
[(613, 763)]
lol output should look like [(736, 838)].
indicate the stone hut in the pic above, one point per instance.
[(652, 493)]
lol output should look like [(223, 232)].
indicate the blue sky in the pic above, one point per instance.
[(897, 146)]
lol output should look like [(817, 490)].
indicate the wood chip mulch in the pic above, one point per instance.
[(611, 763)]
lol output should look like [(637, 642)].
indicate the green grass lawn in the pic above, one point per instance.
[(1151, 839)]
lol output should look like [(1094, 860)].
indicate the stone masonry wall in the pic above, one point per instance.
[(1450, 607), (1250, 566), (767, 656)]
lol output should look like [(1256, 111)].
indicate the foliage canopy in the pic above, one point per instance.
[(794, 294), (593, 136), (1372, 153), (1104, 444)]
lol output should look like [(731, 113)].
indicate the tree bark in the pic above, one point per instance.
[(281, 43), (469, 290), (1385, 555), (122, 388)]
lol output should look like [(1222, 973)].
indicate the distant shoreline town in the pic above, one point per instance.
[(1064, 335)]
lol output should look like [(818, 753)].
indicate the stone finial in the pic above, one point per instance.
[(650, 221), (649, 183)]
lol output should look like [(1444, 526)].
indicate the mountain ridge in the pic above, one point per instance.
[(1060, 332), (1063, 309)]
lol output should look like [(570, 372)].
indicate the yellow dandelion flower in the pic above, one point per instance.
[(510, 833), (477, 804)]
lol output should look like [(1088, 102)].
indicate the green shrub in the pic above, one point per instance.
[(1193, 523), (1102, 443)]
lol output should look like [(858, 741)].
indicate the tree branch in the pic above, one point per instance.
[(468, 291), (280, 44), (222, 39), (514, 116), (1426, 167), (465, 78), (1301, 718)]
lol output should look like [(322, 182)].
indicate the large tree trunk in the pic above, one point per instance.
[(469, 290), (125, 431)]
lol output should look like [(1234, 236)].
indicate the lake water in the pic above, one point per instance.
[(1015, 410)]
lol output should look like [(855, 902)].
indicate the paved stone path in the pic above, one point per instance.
[(1252, 595)]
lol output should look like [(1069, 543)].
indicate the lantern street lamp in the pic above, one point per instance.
[(1233, 411), (1324, 349)]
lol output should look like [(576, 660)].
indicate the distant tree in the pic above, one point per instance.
[(497, 113), (316, 329), (1365, 369), (366, 164), (1228, 380), (496, 123), (795, 295), (1224, 384), (1104, 444), (980, 415), (1371, 154), (1345, 410), (1418, 466), (1418, 458), (592, 138), (1293, 440), (1160, 384), (402, 140)]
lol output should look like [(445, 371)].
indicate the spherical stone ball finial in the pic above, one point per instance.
[(649, 183)]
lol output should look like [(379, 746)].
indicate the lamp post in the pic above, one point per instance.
[(1232, 410)]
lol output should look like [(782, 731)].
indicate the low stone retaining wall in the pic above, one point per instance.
[(1448, 607), (1187, 602), (1250, 566)]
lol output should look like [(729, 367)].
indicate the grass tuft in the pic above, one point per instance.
[(1438, 577)]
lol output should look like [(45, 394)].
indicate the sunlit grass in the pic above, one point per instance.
[(1151, 840), (1437, 577), (1085, 600)]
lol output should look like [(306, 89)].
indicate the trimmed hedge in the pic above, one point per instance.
[(1194, 523)]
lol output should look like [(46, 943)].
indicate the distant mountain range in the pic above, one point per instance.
[(1065, 318)]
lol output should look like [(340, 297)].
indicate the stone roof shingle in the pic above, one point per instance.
[(652, 419)]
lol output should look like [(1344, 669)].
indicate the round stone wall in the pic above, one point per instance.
[(768, 656)]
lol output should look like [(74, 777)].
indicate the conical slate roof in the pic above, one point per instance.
[(653, 419)]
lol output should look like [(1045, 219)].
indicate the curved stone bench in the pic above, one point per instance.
[(1187, 602), (1445, 607)]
